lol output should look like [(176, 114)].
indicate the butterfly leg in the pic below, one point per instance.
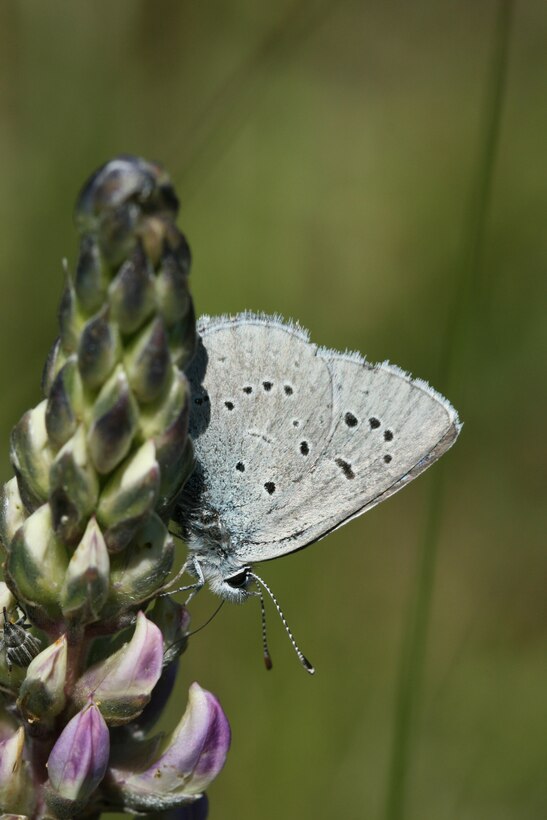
[(199, 584), (191, 565)]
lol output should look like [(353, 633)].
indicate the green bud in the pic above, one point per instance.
[(69, 321), (182, 340), (156, 418), (42, 693), (15, 786), (174, 300), (31, 456), (55, 360), (7, 601), (113, 423), (65, 403), (12, 512), (129, 497), (99, 349), (86, 583), (91, 279), (137, 573), (175, 454), (131, 293), (37, 562), (148, 362), (74, 489)]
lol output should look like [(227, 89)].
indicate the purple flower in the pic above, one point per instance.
[(193, 755), (123, 682), (78, 760)]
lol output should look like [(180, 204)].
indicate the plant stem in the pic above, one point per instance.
[(413, 653)]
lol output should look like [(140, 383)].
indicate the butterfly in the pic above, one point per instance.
[(292, 441)]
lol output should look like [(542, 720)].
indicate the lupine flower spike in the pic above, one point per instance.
[(86, 663)]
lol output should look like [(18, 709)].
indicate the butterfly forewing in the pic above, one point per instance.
[(292, 440), (260, 397)]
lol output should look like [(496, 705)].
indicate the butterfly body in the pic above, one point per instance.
[(292, 441)]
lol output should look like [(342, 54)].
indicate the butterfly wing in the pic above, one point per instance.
[(251, 408), (322, 437)]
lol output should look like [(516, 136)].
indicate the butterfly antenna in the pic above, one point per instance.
[(267, 657), (195, 631), (301, 657), (207, 622)]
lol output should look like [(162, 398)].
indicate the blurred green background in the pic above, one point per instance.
[(326, 154)]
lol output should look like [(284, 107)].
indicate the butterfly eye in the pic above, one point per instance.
[(239, 580)]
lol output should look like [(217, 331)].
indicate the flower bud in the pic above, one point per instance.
[(175, 454), (7, 601), (156, 418), (31, 456), (137, 573), (37, 562), (131, 293), (77, 763), (42, 693), (167, 425), (12, 512), (91, 277), (74, 489), (86, 583), (182, 340), (107, 204), (122, 683), (15, 791), (148, 362), (193, 755), (113, 424), (65, 403), (129, 497), (55, 360), (174, 300), (69, 320), (99, 349)]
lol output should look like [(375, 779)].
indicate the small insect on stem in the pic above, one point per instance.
[(18, 645)]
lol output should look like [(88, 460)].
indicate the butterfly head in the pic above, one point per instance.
[(232, 586)]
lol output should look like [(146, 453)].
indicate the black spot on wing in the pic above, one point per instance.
[(345, 466)]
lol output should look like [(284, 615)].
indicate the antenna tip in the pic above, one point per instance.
[(307, 666), (268, 662)]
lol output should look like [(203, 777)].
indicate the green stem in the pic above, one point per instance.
[(413, 654)]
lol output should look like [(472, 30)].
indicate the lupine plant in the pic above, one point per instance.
[(88, 648)]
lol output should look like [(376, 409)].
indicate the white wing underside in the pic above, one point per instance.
[(295, 440)]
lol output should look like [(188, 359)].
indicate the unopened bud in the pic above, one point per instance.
[(65, 403), (131, 292), (114, 423), (37, 562), (12, 512), (99, 349), (86, 583), (137, 573), (78, 761), (74, 488), (129, 497), (148, 362), (31, 456), (15, 791), (42, 693)]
